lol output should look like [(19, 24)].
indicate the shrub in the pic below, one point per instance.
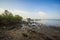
[(7, 19)]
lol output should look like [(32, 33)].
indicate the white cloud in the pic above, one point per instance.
[(24, 14), (34, 15), (43, 15), (1, 10)]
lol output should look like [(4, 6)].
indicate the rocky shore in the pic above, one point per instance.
[(29, 33)]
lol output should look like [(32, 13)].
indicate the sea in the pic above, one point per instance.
[(50, 22)]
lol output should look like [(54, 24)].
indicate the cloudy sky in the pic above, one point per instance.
[(37, 9)]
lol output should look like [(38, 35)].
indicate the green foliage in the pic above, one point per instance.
[(7, 19)]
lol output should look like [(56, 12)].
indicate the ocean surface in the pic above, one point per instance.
[(50, 22)]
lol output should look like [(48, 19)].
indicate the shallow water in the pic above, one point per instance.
[(51, 22)]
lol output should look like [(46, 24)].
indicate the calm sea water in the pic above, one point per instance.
[(52, 22)]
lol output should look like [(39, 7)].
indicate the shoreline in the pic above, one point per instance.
[(28, 33)]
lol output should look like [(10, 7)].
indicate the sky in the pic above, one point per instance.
[(36, 9)]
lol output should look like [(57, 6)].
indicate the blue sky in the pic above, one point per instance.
[(44, 9)]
